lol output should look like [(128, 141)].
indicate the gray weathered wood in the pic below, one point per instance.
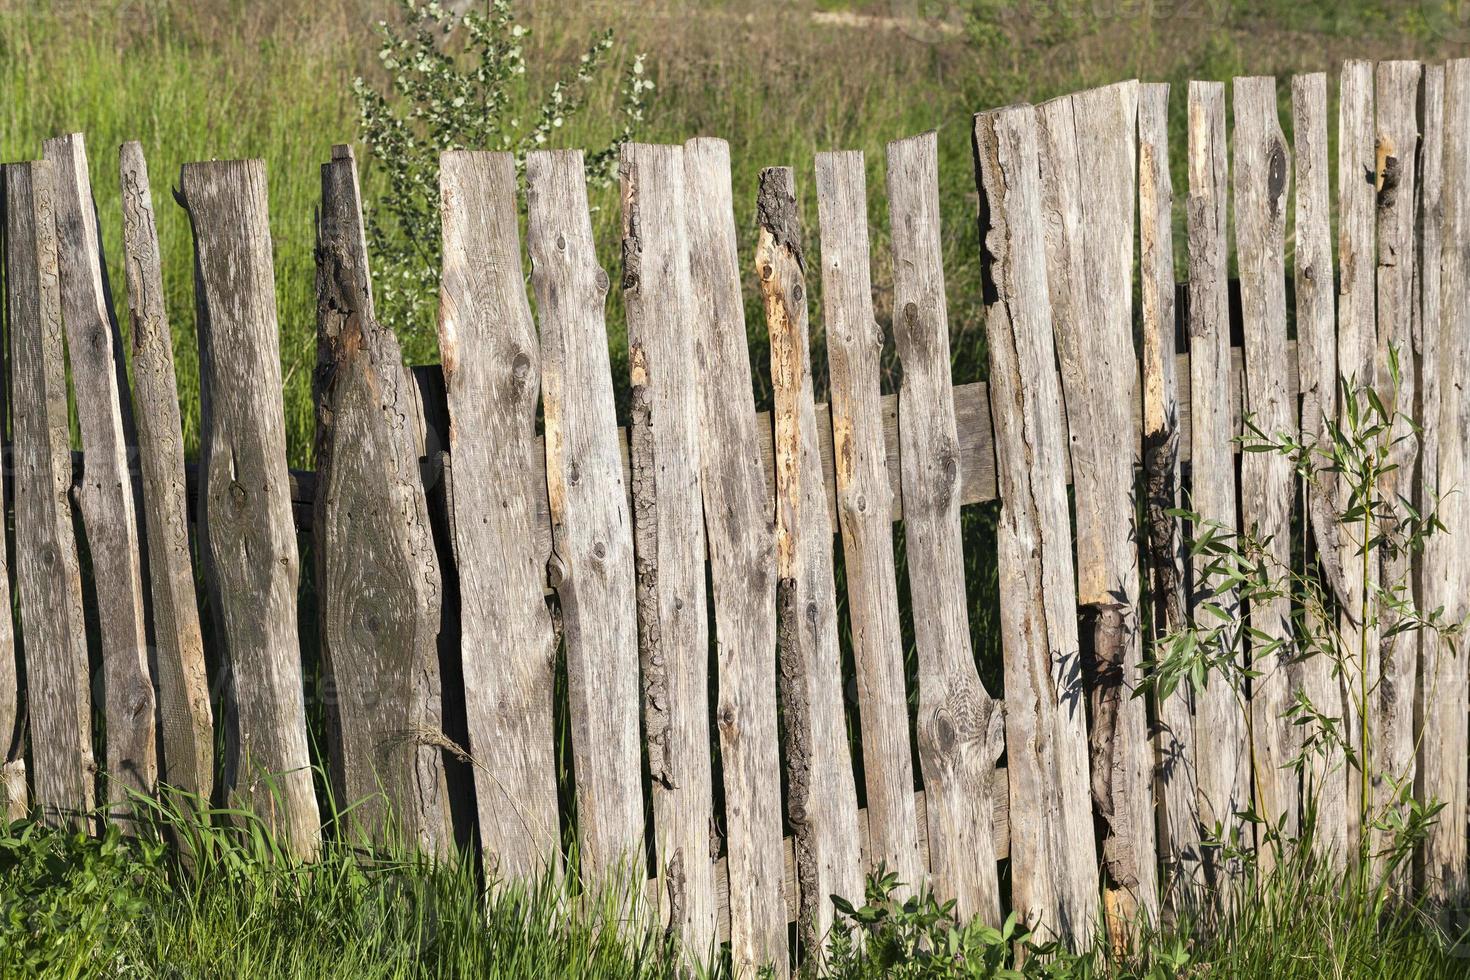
[(821, 795), (491, 358), (668, 536), (740, 527), (105, 496), (1054, 871), (1324, 777), (249, 544), (48, 579), (865, 500), (378, 582), (185, 717), (1176, 780), (960, 726), (1261, 177), (1088, 163), (1224, 770), (592, 560)]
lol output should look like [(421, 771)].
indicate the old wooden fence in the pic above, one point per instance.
[(442, 512)]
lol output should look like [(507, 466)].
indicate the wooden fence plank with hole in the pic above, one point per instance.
[(1324, 778), (960, 726), (1088, 173), (491, 358), (105, 497), (249, 543), (1392, 741), (1224, 771), (1176, 781), (669, 537), (378, 582), (592, 560), (1054, 871), (822, 798), (740, 527), (1261, 178), (1445, 699), (48, 579), (185, 716), (864, 503)]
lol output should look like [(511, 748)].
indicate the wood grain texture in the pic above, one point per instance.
[(105, 496), (48, 579), (865, 499), (491, 358), (592, 557), (1088, 175), (378, 583), (185, 716), (249, 547), (1267, 479), (960, 726), (1324, 778), (1054, 882), (669, 537), (740, 527), (1224, 771), (1176, 779), (821, 795)]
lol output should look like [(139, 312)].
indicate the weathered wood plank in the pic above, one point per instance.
[(669, 537), (105, 496), (1224, 771), (1445, 700), (1324, 777), (740, 527), (960, 726), (378, 582), (491, 358), (48, 579), (821, 795), (249, 548), (1088, 175), (592, 557), (1262, 175), (1054, 874), (185, 717), (1176, 780), (865, 501)]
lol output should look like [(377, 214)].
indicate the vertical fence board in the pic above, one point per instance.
[(105, 495), (1054, 866), (741, 530), (1224, 771), (1324, 778), (378, 579), (1261, 177), (592, 537), (1176, 780), (864, 503), (822, 799), (492, 379), (185, 717), (669, 537), (47, 575), (960, 726)]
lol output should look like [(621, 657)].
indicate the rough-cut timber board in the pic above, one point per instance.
[(105, 496), (960, 726), (491, 359), (591, 528), (1054, 881), (48, 580), (378, 583), (249, 543)]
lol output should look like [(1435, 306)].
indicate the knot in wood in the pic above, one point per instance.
[(520, 368), (556, 570), (599, 551), (601, 281), (561, 243), (237, 494)]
